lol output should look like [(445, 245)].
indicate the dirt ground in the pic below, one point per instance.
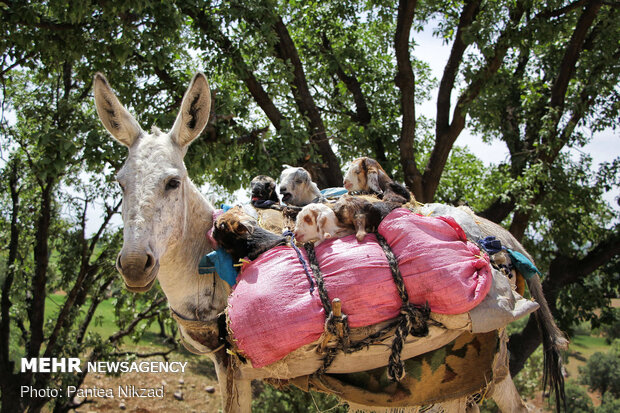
[(195, 390)]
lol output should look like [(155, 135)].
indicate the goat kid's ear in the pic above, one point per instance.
[(194, 113), (248, 226), (372, 178), (321, 223), (116, 119)]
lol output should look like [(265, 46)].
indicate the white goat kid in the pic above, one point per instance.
[(296, 186), (166, 218), (316, 223)]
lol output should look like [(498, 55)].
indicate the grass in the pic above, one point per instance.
[(103, 322), (581, 349)]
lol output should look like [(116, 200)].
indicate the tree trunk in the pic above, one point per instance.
[(9, 382)]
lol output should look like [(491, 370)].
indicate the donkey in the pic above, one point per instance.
[(165, 221)]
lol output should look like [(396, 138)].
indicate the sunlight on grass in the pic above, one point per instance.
[(581, 348)]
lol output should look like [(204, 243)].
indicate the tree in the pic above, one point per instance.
[(54, 147), (602, 373)]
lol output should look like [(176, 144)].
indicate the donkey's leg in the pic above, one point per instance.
[(505, 395), (236, 394)]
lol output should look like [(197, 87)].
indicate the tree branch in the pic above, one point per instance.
[(95, 301), (17, 63), (329, 173), (500, 209), (110, 212), (447, 135), (405, 81), (5, 323), (571, 54), (78, 292), (547, 14), (468, 15), (36, 307), (210, 28), (362, 115), (148, 313)]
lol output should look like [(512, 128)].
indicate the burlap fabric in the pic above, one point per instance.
[(459, 369)]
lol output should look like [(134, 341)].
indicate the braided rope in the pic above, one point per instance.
[(331, 321), (413, 319), (289, 233), (318, 276)]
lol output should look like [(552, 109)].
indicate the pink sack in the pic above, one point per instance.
[(272, 312)]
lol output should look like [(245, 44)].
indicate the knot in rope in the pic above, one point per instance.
[(413, 320), (331, 325)]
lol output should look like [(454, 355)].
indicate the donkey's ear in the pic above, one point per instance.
[(195, 111), (116, 119)]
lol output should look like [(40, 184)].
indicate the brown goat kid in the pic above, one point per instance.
[(241, 236), (362, 215), (367, 175)]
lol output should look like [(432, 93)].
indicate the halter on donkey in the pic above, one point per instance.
[(165, 222)]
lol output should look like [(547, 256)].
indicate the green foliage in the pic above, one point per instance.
[(577, 399), (529, 379), (609, 404), (602, 373), (291, 399), (611, 326)]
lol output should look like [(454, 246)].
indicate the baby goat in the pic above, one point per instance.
[(366, 175), (263, 191), (317, 222), (297, 188), (239, 234), (362, 215)]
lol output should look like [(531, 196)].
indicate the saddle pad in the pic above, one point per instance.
[(272, 312)]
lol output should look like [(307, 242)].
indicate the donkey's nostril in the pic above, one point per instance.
[(149, 262), (118, 262)]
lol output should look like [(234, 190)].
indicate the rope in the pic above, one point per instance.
[(289, 233), (413, 319), (331, 321)]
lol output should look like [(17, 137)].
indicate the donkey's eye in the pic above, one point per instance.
[(173, 184)]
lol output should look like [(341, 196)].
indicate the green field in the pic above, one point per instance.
[(103, 322), (581, 349)]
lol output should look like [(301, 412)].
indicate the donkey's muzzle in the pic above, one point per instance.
[(139, 270)]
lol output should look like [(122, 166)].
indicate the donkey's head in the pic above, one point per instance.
[(153, 179)]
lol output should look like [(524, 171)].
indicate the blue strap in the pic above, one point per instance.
[(219, 261), (289, 233), (336, 192)]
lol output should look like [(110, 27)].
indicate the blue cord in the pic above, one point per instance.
[(289, 233)]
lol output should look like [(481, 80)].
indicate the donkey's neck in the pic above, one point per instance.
[(190, 294)]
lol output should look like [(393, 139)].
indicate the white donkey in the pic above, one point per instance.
[(165, 221)]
